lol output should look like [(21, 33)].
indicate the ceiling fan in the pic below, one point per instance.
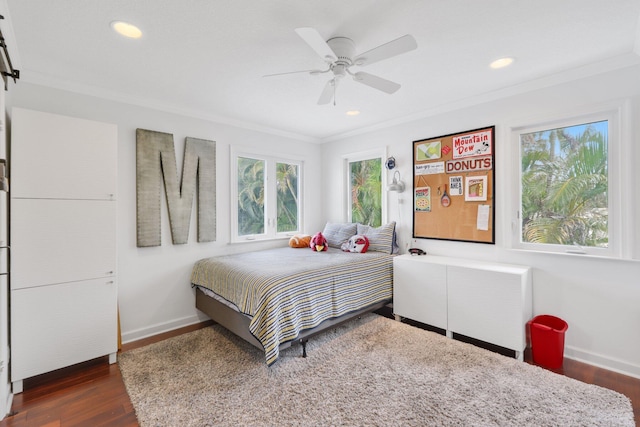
[(340, 55)]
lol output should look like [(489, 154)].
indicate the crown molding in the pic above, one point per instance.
[(41, 79), (592, 69)]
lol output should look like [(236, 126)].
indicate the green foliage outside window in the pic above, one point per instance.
[(366, 191), (251, 196), (565, 187), (287, 187)]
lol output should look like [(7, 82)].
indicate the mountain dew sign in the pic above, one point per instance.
[(472, 144)]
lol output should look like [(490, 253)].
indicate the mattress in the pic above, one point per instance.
[(288, 290)]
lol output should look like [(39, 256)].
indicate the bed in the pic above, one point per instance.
[(274, 297)]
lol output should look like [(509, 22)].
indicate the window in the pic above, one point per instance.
[(287, 196), (267, 197), (566, 202), (365, 201)]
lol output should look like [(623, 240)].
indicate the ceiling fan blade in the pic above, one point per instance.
[(327, 93), (376, 82), (313, 72), (317, 43), (387, 50)]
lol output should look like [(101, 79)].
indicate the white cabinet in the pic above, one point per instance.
[(62, 325), (490, 302), (61, 157), (5, 389), (420, 291), (64, 239), (63, 242)]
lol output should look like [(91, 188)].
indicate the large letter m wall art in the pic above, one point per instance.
[(155, 164)]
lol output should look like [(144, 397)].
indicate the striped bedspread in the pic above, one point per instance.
[(288, 290)]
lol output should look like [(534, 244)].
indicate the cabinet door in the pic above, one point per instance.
[(4, 332), (487, 304), (56, 241), (62, 157), (4, 346), (4, 224), (60, 325), (420, 291)]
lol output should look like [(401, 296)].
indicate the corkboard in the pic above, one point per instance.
[(453, 186)]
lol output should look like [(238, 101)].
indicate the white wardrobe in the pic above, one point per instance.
[(63, 242), (5, 390)]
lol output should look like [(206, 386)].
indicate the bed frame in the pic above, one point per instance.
[(238, 323)]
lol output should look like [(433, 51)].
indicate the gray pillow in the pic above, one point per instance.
[(338, 233), (381, 239)]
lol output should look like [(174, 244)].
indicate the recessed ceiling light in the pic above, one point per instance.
[(126, 29), (501, 63), (353, 112)]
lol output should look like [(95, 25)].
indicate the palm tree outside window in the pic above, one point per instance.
[(267, 193), (565, 188), (365, 191)]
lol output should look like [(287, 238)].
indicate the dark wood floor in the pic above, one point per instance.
[(93, 394)]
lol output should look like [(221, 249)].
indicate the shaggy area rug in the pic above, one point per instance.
[(372, 371)]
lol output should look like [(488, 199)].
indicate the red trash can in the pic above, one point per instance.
[(547, 340)]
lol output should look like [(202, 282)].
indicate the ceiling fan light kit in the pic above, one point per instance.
[(340, 55)]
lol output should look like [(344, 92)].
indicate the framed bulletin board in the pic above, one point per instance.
[(453, 186)]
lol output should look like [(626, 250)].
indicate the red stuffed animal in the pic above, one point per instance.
[(318, 243)]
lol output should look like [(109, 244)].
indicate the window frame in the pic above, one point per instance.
[(617, 210), (360, 156), (271, 194)]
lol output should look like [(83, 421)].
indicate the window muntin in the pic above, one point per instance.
[(565, 202), (267, 194)]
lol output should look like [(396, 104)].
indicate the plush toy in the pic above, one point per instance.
[(318, 243), (357, 243), (300, 241)]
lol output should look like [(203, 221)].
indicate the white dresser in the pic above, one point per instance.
[(63, 242), (491, 302)]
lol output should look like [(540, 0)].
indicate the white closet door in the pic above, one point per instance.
[(62, 157), (55, 241), (59, 325)]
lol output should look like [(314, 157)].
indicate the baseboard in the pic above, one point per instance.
[(160, 328), (604, 362)]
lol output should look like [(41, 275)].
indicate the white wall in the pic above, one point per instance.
[(153, 283), (599, 298)]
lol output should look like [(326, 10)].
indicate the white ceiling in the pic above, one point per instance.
[(206, 58)]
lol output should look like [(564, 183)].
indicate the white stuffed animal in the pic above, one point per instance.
[(357, 243)]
